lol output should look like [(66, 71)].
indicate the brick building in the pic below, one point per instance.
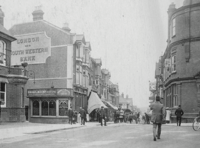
[(180, 64), (57, 62), (12, 80)]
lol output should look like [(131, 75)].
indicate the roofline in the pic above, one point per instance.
[(9, 36), (52, 25)]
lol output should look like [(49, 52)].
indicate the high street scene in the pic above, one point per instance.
[(102, 73)]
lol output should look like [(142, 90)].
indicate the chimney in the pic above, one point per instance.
[(66, 27), (1, 17), (38, 13)]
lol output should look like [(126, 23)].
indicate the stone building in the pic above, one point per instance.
[(180, 64), (12, 80), (57, 61)]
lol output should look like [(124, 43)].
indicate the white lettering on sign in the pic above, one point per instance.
[(31, 48)]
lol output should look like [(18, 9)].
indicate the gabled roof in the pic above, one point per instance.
[(6, 32), (98, 61), (88, 45), (58, 36), (80, 38)]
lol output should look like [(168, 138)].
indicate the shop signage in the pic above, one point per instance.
[(63, 92), (55, 92), (41, 92), (32, 48)]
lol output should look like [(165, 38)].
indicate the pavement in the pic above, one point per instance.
[(10, 130), (14, 129)]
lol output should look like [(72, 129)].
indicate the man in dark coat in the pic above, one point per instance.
[(103, 116), (82, 115), (158, 114), (70, 114), (179, 113)]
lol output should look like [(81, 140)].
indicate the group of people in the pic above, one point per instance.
[(159, 115), (73, 116), (83, 116)]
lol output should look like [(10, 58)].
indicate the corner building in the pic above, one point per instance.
[(12, 80), (181, 61), (52, 53)]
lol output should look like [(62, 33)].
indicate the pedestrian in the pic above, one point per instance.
[(121, 115), (70, 115), (82, 115), (179, 113), (103, 116), (168, 115), (158, 114)]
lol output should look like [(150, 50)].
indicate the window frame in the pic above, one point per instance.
[(3, 54), (173, 28)]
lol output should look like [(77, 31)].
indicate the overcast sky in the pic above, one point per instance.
[(128, 35)]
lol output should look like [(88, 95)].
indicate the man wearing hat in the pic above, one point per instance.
[(158, 113), (102, 116)]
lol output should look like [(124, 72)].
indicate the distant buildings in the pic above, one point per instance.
[(57, 69), (178, 70), (126, 102)]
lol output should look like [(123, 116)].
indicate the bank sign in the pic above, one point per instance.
[(32, 48)]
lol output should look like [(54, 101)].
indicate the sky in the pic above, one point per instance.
[(128, 36)]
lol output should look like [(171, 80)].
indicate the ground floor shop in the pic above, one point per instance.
[(80, 98), (49, 105), (185, 93)]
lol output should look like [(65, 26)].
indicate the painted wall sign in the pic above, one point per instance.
[(32, 48)]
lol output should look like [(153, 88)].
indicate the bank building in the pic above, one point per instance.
[(57, 61)]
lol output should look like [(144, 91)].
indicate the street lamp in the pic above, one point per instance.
[(30, 72)]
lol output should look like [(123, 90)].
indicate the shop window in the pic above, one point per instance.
[(45, 108), (63, 107), (52, 108), (35, 108), (3, 94)]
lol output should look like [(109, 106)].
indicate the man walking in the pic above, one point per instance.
[(158, 114), (103, 116), (70, 114), (179, 113), (82, 115)]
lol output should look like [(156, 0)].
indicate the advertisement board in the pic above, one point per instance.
[(32, 48)]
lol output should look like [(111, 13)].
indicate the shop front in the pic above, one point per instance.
[(49, 105)]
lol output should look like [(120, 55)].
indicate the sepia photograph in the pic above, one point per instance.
[(99, 73)]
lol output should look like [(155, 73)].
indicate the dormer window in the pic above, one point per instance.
[(2, 53)]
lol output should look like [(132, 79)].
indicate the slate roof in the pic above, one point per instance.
[(57, 35), (6, 32)]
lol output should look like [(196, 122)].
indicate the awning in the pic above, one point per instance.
[(4, 80), (94, 102), (110, 105)]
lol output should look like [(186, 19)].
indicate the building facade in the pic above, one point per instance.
[(12, 80), (180, 63)]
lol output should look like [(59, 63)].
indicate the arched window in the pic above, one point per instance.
[(45, 108), (3, 57), (52, 108), (36, 108)]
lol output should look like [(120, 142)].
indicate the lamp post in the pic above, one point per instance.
[(32, 73)]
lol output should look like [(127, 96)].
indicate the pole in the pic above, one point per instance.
[(0, 111)]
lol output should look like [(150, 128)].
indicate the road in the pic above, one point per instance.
[(111, 136)]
